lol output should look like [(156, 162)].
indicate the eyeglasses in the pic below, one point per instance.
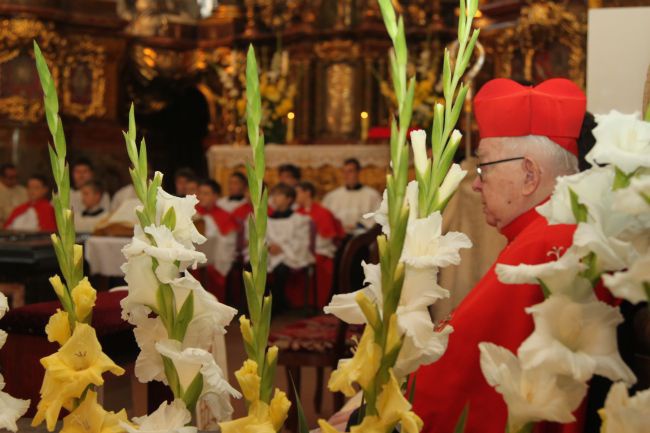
[(479, 170)]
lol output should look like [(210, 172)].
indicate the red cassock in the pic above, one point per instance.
[(329, 229), (492, 312), (44, 212), (226, 223)]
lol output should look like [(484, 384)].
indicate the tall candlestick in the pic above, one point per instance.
[(290, 127), (365, 125)]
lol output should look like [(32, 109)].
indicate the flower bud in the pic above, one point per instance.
[(58, 286), (246, 330), (419, 144)]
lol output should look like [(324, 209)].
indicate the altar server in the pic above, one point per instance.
[(221, 231), (83, 171), (37, 214), (329, 232), (288, 237), (289, 174), (237, 187), (350, 202), (12, 193), (93, 212), (528, 139)]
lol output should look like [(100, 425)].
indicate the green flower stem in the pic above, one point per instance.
[(446, 116), (64, 240), (259, 306)]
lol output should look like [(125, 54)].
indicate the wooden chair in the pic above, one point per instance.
[(321, 341)]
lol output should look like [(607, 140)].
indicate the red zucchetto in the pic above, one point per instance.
[(554, 109)]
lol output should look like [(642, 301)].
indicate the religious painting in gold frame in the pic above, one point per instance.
[(84, 82), (20, 95)]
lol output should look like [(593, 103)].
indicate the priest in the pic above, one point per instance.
[(528, 139), (36, 214)]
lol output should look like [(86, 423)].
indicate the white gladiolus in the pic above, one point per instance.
[(11, 409), (381, 214), (629, 284), (185, 231), (454, 177), (192, 361), (419, 144), (149, 365), (531, 395), (143, 286), (622, 140), (561, 276), (625, 414), (575, 339), (594, 189), (635, 199), (612, 253), (168, 418)]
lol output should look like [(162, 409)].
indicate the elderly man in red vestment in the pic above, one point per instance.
[(528, 139)]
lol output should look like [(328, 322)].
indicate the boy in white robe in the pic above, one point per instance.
[(93, 212), (82, 173), (289, 240), (350, 202), (237, 187)]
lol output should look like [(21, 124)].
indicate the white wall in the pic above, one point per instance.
[(618, 56)]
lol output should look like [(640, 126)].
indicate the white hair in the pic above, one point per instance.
[(551, 157)]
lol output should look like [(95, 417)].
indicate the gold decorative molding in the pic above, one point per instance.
[(24, 103), (337, 50), (83, 71), (152, 62)]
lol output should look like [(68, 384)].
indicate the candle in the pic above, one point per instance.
[(365, 124), (290, 127)]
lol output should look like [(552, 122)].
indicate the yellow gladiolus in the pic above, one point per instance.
[(58, 328), (257, 421), (392, 408), (68, 372), (249, 380), (77, 254), (246, 330), (90, 417), (362, 368), (84, 297), (279, 409), (326, 427), (58, 286)]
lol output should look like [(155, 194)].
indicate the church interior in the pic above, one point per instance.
[(328, 110)]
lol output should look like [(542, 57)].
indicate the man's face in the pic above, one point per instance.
[(499, 184), (206, 197), (281, 202), (191, 187), (81, 174), (10, 177), (303, 197), (235, 186), (36, 190), (287, 178), (350, 175), (181, 185), (89, 197)]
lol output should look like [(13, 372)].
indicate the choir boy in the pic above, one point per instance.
[(329, 232), (237, 188), (83, 172), (221, 231), (37, 214), (181, 179), (93, 212), (12, 193), (289, 174), (350, 202)]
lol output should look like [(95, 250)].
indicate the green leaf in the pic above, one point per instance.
[(303, 427), (579, 210), (254, 304), (621, 179), (545, 290), (169, 219), (461, 20), (268, 376), (647, 114), (462, 420), (193, 392), (184, 317), (388, 13), (412, 391), (166, 306), (172, 376)]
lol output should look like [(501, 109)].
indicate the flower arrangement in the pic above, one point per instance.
[(177, 322), (75, 370), (10, 408), (575, 333), (399, 335), (427, 95), (267, 409), (277, 93)]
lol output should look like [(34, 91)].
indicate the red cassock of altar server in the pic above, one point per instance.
[(493, 311)]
